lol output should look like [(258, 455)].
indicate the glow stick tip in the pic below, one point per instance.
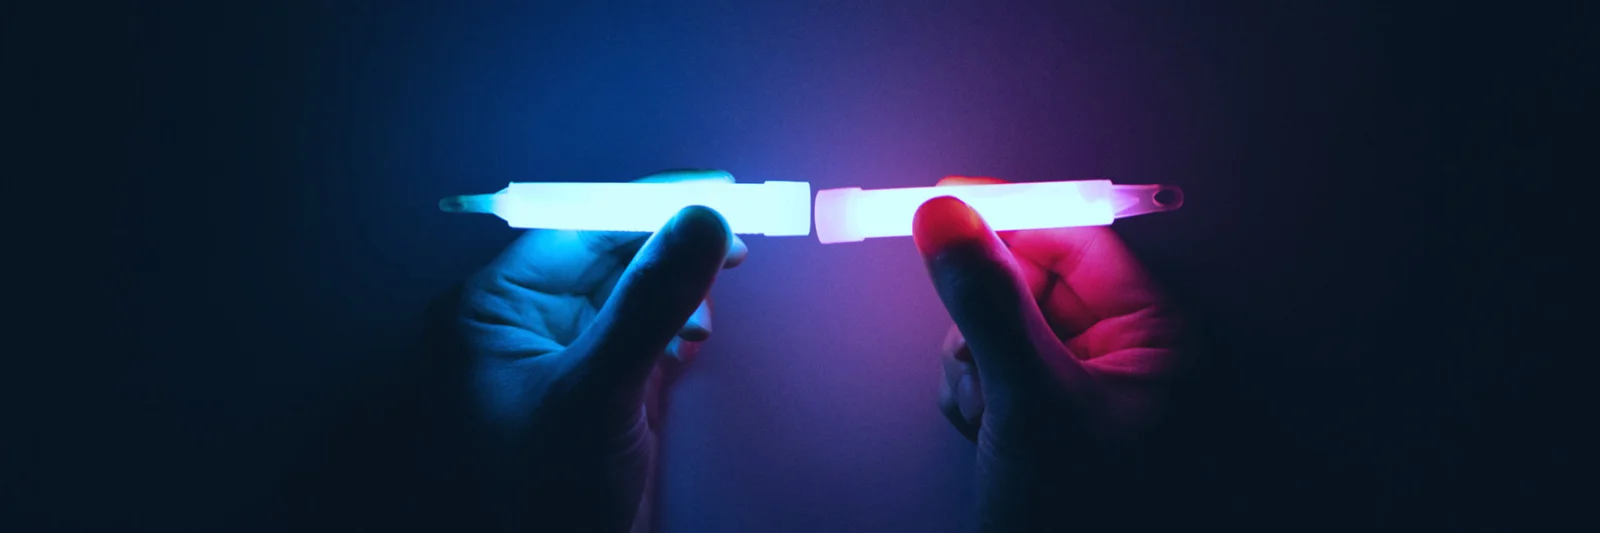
[(472, 203), (1135, 200)]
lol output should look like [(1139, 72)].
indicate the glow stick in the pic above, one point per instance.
[(852, 214), (771, 208)]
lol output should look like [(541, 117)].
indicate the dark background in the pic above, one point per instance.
[(225, 233)]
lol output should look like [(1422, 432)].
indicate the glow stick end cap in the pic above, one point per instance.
[(833, 216), (474, 203)]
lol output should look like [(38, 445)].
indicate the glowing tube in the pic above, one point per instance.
[(771, 208), (852, 214)]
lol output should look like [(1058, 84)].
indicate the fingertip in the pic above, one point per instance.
[(963, 353), (699, 214), (955, 345), (687, 174), (737, 250), (674, 349), (694, 333), (969, 398), (944, 222), (682, 351), (709, 175), (655, 297), (698, 327), (950, 181), (979, 284), (702, 226)]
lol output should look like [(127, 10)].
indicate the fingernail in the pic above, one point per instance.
[(737, 249), (684, 351), (968, 399), (698, 328), (943, 222)]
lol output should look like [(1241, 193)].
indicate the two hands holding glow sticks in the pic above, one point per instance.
[(1056, 365)]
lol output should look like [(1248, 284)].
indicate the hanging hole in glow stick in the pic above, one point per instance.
[(852, 214), (773, 208)]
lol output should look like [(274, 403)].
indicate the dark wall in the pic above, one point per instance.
[(1371, 236)]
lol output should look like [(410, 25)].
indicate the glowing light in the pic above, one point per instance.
[(770, 208), (853, 214)]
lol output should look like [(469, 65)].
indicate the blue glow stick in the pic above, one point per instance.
[(774, 208), (853, 214)]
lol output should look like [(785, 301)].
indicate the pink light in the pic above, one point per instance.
[(853, 214)]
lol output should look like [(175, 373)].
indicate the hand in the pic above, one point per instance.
[(1059, 362), (556, 349)]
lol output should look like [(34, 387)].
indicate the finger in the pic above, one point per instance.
[(566, 262), (954, 181), (618, 240), (653, 394), (687, 174), (698, 327), (958, 363), (955, 346), (1095, 276), (697, 330), (682, 352), (1106, 308), (979, 283), (603, 289), (948, 181), (1035, 276), (621, 241), (736, 249), (624, 244), (657, 294), (951, 410), (960, 394), (694, 331)]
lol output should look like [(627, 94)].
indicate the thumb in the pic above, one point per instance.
[(978, 281), (656, 294)]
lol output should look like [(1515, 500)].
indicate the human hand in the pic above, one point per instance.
[(557, 345), (1059, 363)]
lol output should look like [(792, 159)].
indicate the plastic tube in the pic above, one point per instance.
[(853, 214), (778, 208)]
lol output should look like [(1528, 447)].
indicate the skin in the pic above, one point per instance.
[(1058, 366), (556, 354)]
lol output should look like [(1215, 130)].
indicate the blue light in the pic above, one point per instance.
[(775, 208)]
